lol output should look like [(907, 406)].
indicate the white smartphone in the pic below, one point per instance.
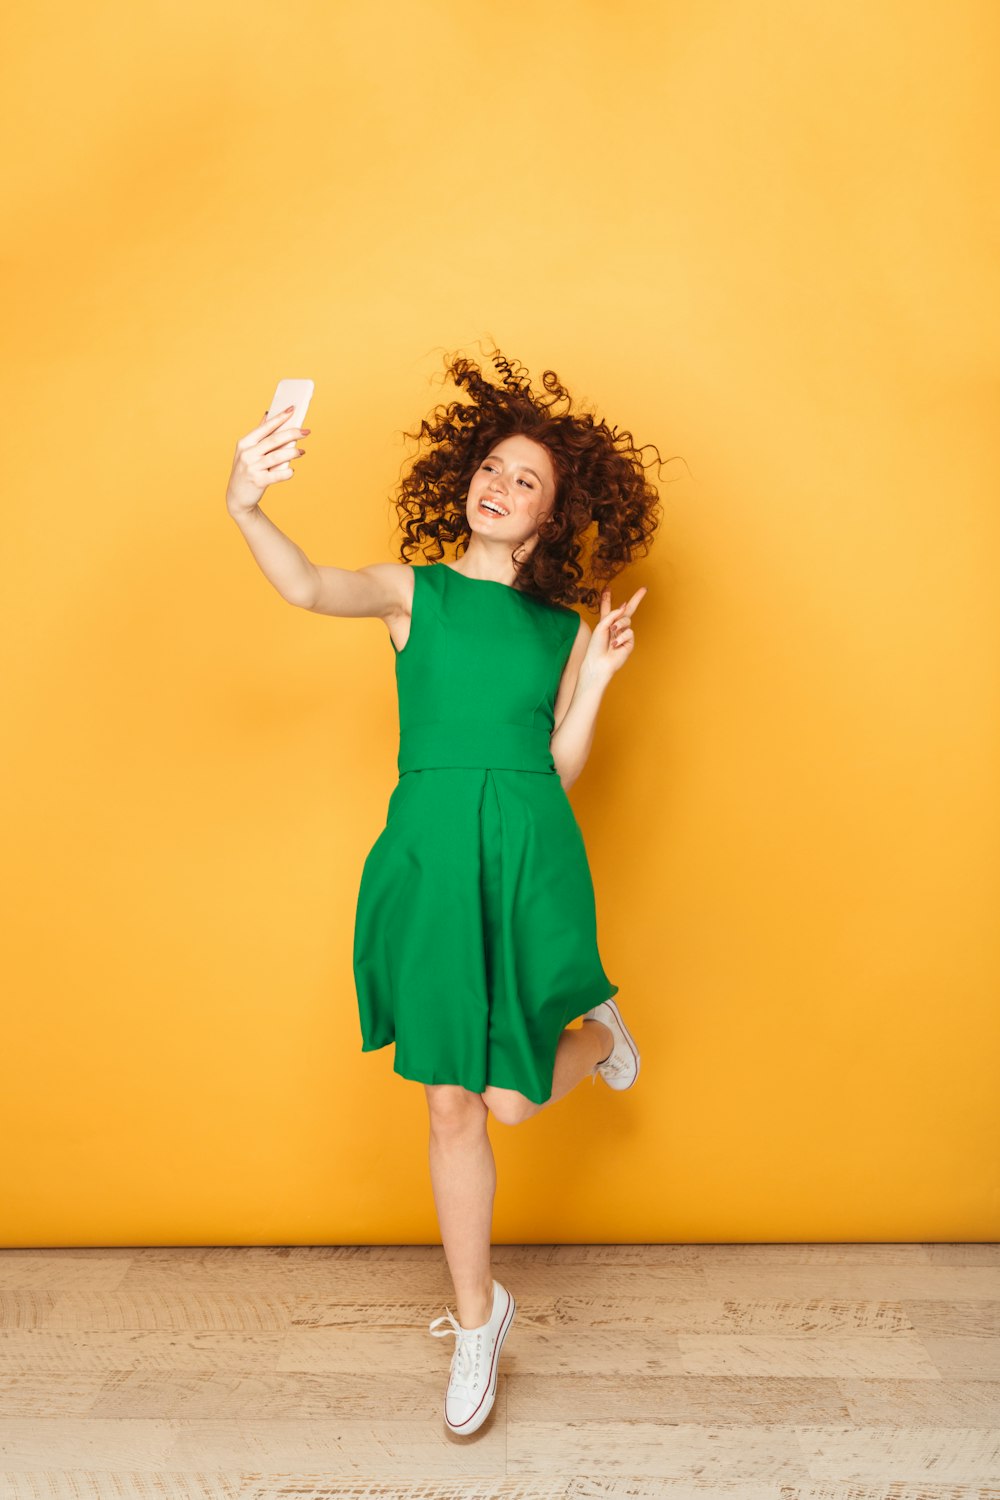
[(297, 393)]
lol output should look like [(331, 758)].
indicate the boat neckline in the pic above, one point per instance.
[(498, 582), (511, 588)]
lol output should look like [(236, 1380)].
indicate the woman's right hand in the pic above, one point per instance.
[(262, 458)]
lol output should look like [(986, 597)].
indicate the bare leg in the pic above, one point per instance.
[(578, 1053), (463, 1179)]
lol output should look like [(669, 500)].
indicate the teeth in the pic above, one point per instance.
[(496, 509)]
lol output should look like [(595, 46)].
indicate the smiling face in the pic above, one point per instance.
[(518, 477)]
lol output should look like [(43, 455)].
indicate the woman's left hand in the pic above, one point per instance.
[(612, 638)]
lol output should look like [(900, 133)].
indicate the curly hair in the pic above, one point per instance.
[(600, 481)]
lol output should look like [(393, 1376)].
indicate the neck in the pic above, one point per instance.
[(490, 564)]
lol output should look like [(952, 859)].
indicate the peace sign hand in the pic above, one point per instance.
[(613, 638)]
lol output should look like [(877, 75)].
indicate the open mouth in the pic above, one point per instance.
[(492, 508)]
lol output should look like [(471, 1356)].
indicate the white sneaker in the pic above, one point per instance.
[(620, 1068), (472, 1384)]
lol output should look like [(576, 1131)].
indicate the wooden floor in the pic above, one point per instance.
[(746, 1371)]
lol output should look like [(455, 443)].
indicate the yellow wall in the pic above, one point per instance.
[(762, 236)]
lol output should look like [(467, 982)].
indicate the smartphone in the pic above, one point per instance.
[(297, 393)]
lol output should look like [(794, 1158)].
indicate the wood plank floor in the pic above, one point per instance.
[(753, 1372)]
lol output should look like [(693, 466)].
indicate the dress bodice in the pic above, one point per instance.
[(478, 677)]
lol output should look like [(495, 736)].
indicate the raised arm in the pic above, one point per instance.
[(263, 457), (595, 658), (383, 590)]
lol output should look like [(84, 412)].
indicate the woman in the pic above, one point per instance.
[(475, 931)]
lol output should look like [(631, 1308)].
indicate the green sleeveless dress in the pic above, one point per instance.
[(475, 939)]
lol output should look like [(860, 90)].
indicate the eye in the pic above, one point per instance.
[(520, 481)]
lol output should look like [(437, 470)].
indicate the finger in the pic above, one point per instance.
[(636, 600), (275, 420), (605, 602), (277, 446), (264, 428), (275, 463), (631, 605), (289, 434)]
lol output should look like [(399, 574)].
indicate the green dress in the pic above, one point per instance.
[(475, 939)]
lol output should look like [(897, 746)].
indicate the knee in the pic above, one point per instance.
[(453, 1109), (508, 1106)]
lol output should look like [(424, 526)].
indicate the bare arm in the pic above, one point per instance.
[(262, 458), (279, 559), (383, 590), (595, 658), (577, 701)]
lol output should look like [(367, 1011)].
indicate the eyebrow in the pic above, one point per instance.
[(516, 466)]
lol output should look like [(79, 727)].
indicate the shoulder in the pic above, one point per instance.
[(568, 623), (575, 629), (572, 633), (578, 632)]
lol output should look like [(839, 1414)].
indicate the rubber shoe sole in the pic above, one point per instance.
[(472, 1379)]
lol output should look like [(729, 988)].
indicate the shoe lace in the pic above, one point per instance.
[(467, 1356), (614, 1066), (608, 1065)]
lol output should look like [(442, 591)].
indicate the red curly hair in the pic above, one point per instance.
[(600, 481)]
